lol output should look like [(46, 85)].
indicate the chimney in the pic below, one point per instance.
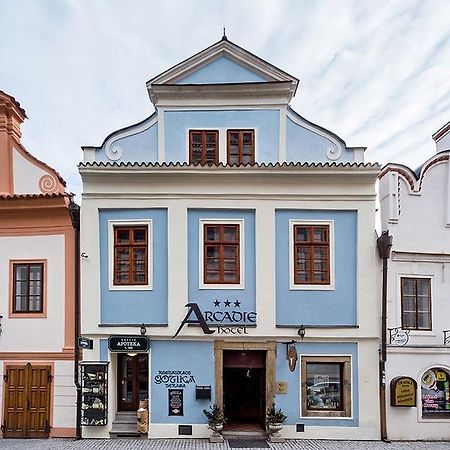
[(11, 117)]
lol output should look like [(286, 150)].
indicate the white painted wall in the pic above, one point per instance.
[(26, 175), (34, 334), (64, 394), (421, 247)]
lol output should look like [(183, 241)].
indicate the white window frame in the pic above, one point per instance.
[(223, 141), (310, 287), (240, 223), (400, 275), (131, 287)]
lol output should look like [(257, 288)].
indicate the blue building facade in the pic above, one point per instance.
[(237, 238)]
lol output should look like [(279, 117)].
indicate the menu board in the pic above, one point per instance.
[(403, 391), (94, 407), (175, 402)]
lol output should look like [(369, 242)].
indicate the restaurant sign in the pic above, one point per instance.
[(135, 344), (403, 391)]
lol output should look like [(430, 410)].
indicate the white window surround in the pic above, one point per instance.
[(339, 358), (140, 287), (310, 287), (400, 275), (203, 222), (222, 140)]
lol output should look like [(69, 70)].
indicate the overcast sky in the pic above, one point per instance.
[(375, 72)]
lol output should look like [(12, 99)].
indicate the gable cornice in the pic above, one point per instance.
[(230, 50)]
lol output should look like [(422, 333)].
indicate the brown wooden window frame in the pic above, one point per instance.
[(203, 133), (221, 244), (311, 244), (345, 363), (131, 245), (416, 327), (241, 145), (27, 296)]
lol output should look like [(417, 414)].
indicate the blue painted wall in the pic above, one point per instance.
[(140, 147), (104, 352), (221, 70), (290, 402), (135, 306), (197, 357), (307, 146), (205, 297), (310, 307), (177, 124)]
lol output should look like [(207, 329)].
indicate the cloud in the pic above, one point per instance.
[(374, 72)]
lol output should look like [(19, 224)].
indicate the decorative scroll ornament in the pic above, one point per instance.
[(47, 184), (333, 152), (113, 152)]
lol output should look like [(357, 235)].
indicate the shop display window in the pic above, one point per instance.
[(326, 386), (435, 393)]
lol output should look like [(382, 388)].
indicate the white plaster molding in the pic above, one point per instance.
[(129, 287), (161, 135), (333, 153), (310, 287), (282, 155), (114, 152), (219, 221)]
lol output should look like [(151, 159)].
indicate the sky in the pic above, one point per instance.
[(375, 72)]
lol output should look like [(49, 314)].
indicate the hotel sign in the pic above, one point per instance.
[(403, 391), (123, 344)]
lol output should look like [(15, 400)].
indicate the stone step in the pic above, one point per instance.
[(250, 435), (125, 419), (126, 435)]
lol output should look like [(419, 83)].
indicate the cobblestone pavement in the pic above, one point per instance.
[(203, 444)]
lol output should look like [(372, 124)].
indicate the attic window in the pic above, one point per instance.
[(241, 147), (203, 147)]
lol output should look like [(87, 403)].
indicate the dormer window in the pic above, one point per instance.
[(241, 147), (203, 147)]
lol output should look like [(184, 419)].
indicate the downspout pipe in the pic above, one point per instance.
[(74, 210), (384, 245)]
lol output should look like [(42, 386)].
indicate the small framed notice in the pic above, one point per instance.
[(175, 402)]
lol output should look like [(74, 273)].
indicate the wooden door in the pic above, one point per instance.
[(27, 401), (132, 381)]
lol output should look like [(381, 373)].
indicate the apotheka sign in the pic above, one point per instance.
[(230, 316), (137, 344)]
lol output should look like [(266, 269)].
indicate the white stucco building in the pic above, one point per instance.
[(415, 208)]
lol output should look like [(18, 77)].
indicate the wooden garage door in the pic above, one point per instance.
[(27, 401)]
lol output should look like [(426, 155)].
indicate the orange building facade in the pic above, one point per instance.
[(37, 290)]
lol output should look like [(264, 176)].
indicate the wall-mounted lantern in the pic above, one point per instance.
[(302, 331)]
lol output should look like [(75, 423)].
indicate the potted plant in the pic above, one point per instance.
[(274, 420), (216, 419)]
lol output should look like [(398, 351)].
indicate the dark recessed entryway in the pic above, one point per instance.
[(244, 374), (132, 381)]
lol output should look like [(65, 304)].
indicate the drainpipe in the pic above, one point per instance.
[(74, 210), (384, 245)]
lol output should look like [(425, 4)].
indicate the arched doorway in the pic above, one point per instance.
[(435, 393)]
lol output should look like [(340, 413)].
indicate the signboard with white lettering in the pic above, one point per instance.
[(135, 344), (175, 402)]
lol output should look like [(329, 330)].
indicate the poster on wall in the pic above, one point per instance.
[(175, 402), (435, 392)]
